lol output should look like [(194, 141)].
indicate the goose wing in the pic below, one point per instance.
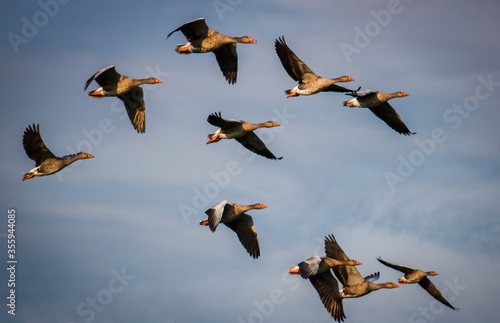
[(194, 29), (136, 108), (107, 75), (215, 214), (328, 289), (253, 143), (432, 290), (244, 228), (385, 112), (216, 120), (227, 58), (34, 146), (295, 67), (403, 269), (373, 277), (309, 267), (347, 275)]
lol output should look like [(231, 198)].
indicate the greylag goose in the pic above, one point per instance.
[(377, 103), (242, 131), (309, 82), (353, 284), (203, 39), (126, 89), (317, 269), (413, 276), (45, 161), (233, 215)]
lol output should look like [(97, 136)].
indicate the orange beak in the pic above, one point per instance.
[(358, 263), (28, 176), (184, 49), (292, 94), (158, 81), (214, 139), (96, 94)]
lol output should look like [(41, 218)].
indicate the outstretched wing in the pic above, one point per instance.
[(373, 277), (194, 29), (253, 143), (216, 120), (296, 68), (215, 215), (431, 289), (227, 58), (361, 94), (328, 289), (107, 75), (336, 88), (244, 228), (385, 112), (309, 267), (347, 275), (403, 269), (136, 108), (34, 146)]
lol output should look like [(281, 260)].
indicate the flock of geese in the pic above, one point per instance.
[(202, 39)]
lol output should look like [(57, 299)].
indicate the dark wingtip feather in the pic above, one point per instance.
[(212, 116)]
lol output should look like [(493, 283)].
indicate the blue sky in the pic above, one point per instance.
[(116, 238)]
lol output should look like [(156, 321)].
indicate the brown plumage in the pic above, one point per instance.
[(377, 103), (354, 285), (317, 269), (233, 215), (126, 89), (203, 39), (45, 161), (413, 276), (309, 82), (242, 131)]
